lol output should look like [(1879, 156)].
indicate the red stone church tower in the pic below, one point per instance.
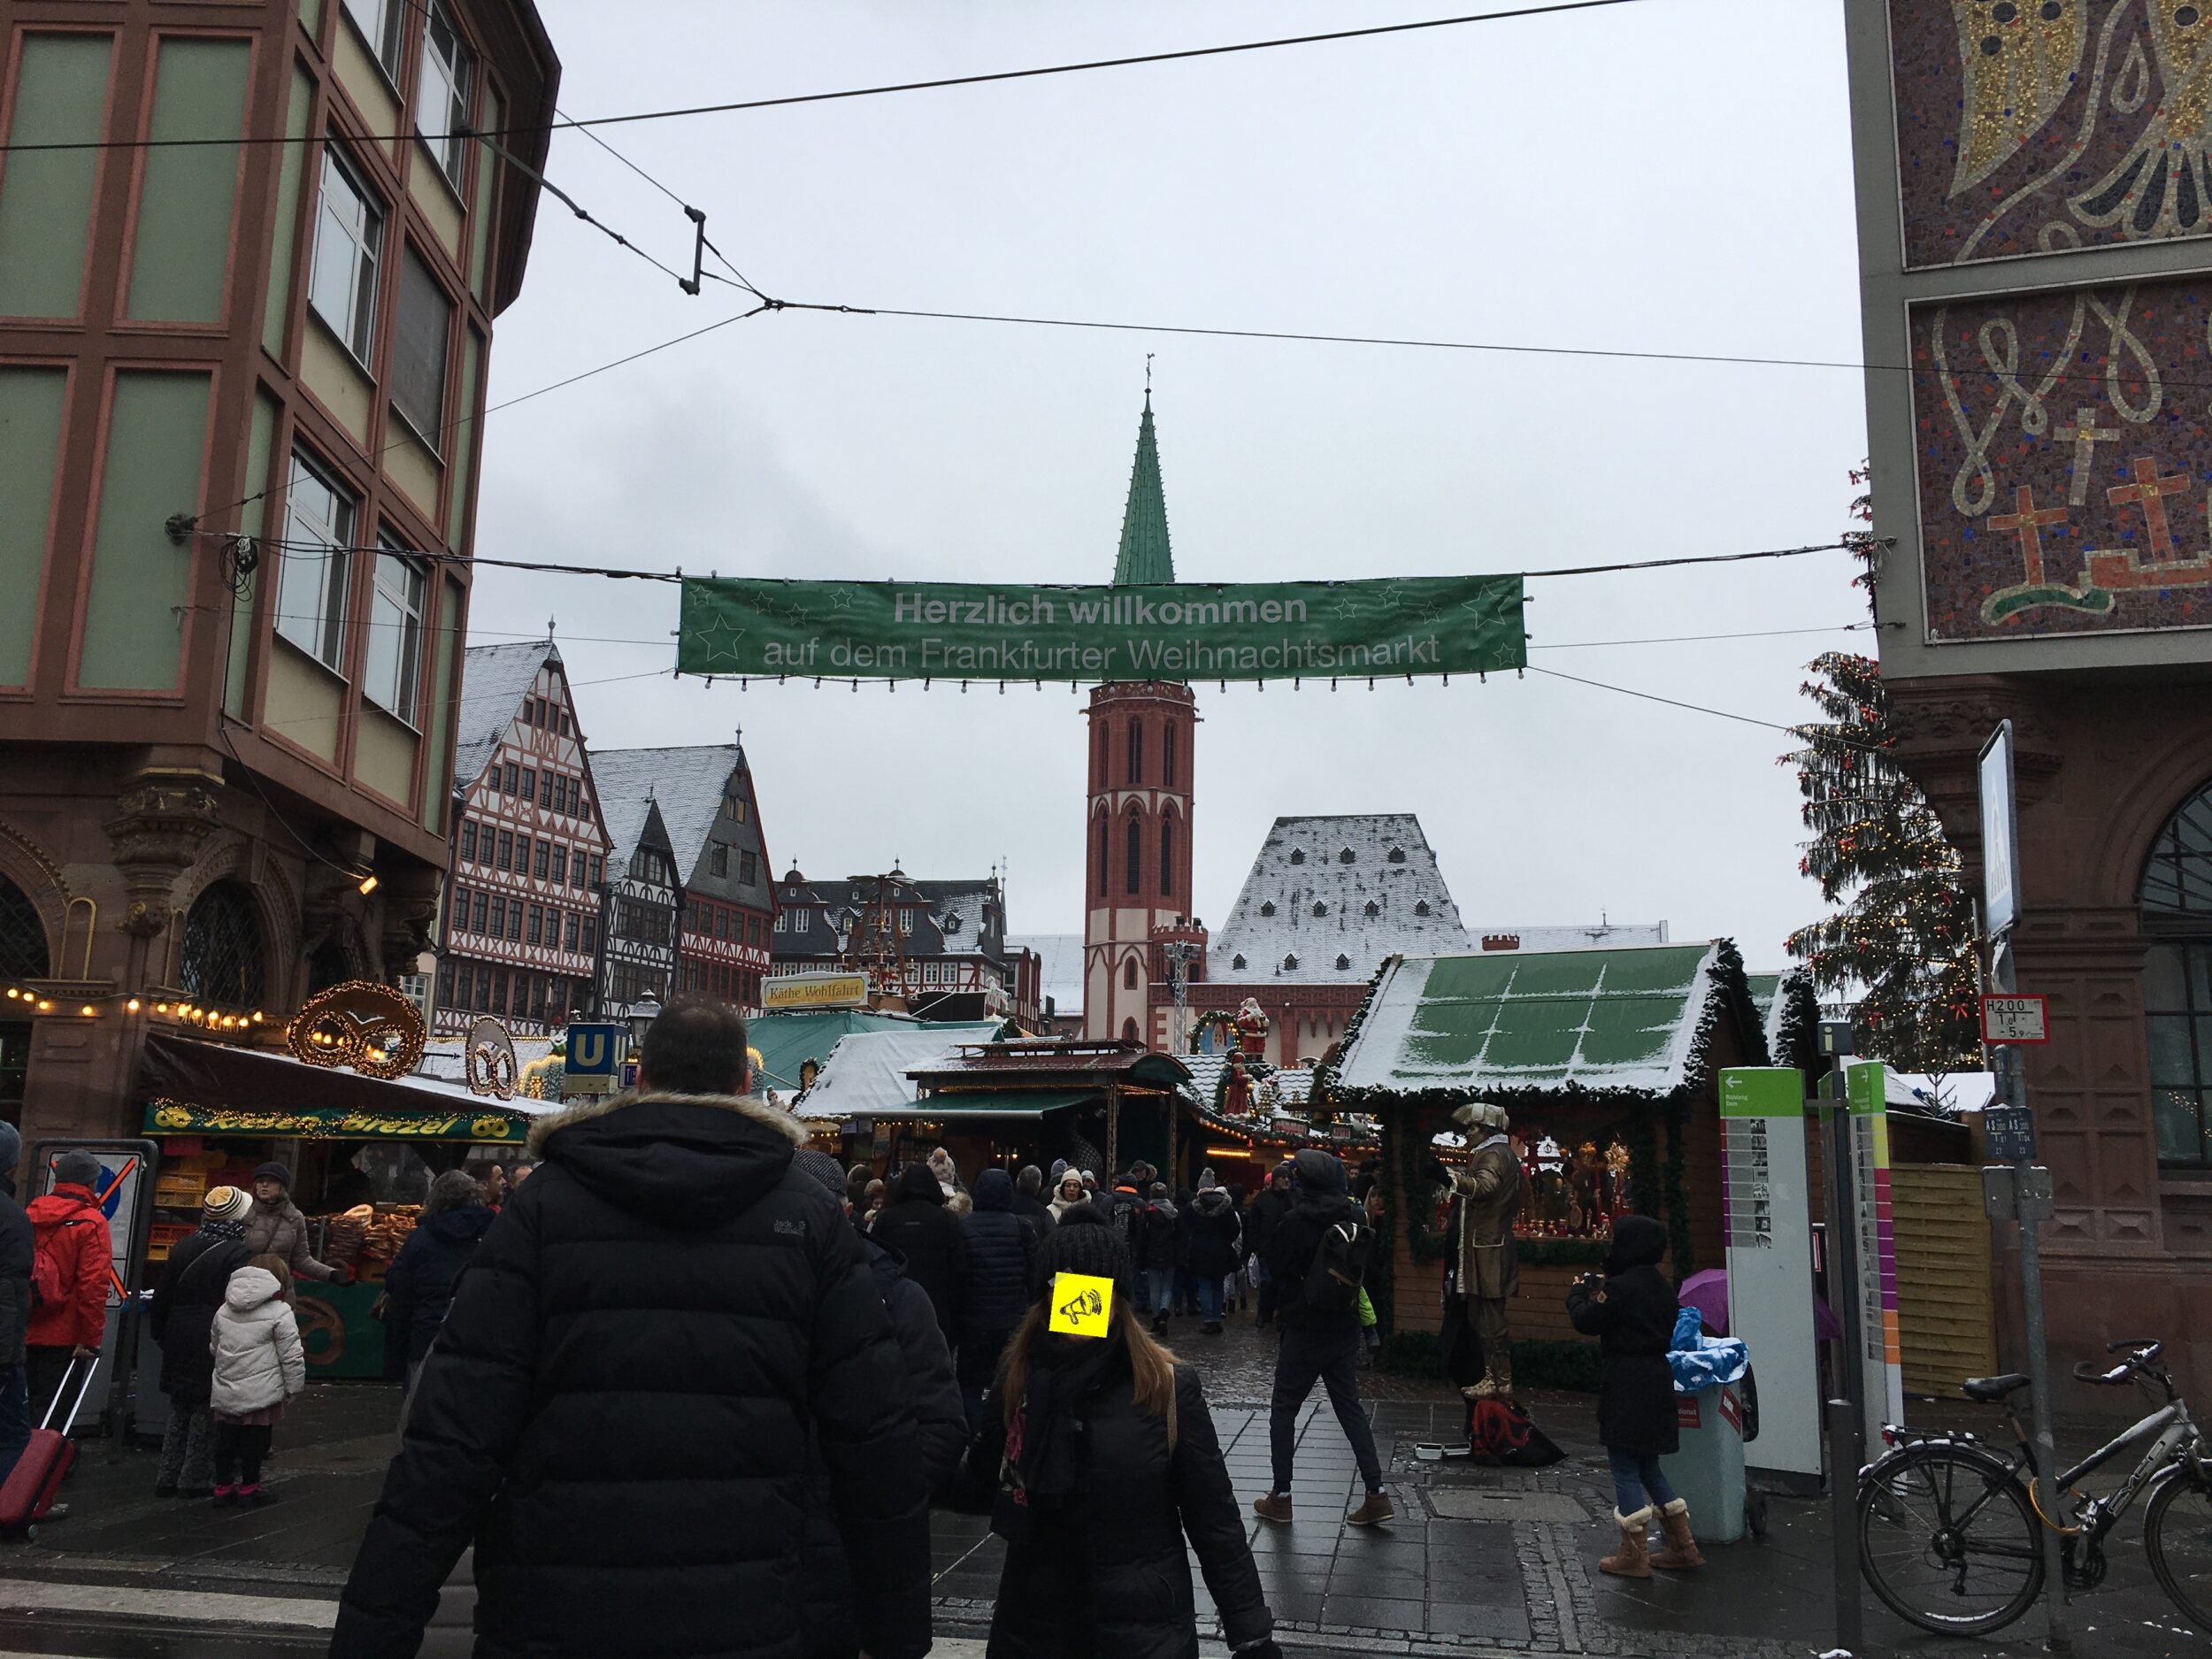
[(1143, 743)]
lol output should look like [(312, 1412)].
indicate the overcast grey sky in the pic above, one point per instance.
[(1668, 175)]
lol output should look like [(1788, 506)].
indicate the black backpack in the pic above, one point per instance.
[(1339, 1266)]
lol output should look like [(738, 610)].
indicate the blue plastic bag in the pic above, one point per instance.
[(1701, 1360)]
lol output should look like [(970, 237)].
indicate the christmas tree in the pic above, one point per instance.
[(1904, 932)]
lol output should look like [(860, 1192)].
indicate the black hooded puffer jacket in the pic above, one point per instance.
[(940, 1434), (928, 1237), (1001, 1281), (1631, 1311), (1211, 1231), (621, 1406)]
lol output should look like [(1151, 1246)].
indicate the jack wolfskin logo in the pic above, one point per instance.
[(792, 1229)]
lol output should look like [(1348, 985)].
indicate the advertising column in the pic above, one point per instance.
[(1881, 1356), (1767, 1221)]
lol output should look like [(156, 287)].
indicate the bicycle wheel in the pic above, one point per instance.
[(2177, 1534), (1948, 1539)]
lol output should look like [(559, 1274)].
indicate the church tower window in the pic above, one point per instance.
[(1167, 857), (1104, 887), (1136, 755), (1129, 974), (1167, 755), (1136, 854)]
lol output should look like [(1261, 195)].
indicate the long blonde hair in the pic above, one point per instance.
[(1151, 1363)]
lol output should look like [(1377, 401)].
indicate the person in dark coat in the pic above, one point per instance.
[(1268, 1211), (1631, 1309), (1154, 1234), (419, 1285), (181, 1319), (1211, 1237), (928, 1237), (1319, 1344), (18, 1242), (1029, 1198), (619, 1408), (1104, 1459), (941, 1436), (998, 1282)]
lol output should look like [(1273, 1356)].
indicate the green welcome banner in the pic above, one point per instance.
[(1440, 625)]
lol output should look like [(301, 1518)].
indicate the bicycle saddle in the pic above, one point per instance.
[(1993, 1387)]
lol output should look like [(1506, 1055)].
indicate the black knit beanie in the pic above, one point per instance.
[(1082, 1243), (823, 1168)]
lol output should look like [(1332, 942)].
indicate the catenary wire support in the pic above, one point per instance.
[(698, 252)]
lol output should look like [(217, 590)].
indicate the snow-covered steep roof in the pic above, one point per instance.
[(688, 783), (1588, 1019), (494, 679), (1060, 975), (1328, 898)]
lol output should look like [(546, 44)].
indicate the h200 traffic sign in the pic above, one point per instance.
[(2015, 1020)]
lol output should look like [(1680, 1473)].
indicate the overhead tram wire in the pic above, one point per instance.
[(888, 89)]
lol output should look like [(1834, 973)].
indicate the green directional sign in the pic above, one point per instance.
[(1429, 625)]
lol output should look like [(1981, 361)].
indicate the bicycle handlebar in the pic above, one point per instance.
[(2145, 1349), (2084, 1371)]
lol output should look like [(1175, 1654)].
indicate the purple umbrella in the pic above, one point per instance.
[(1708, 1293)]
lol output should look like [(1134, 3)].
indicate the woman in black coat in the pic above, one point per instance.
[(1211, 1233), (928, 1239), (193, 1281), (997, 1285), (1104, 1459), (1631, 1309), (419, 1285)]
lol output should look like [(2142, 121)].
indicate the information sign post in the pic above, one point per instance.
[(1767, 1221)]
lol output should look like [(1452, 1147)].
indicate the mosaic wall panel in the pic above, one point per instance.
[(2031, 126), (2064, 446)]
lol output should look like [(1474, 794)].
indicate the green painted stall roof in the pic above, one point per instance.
[(1586, 1019), (788, 1041), (1145, 556)]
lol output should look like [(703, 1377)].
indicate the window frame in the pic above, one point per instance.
[(406, 664), (455, 78), (386, 53), (335, 564), (357, 332), (399, 387)]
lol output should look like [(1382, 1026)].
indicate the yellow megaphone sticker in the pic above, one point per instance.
[(1081, 1304)]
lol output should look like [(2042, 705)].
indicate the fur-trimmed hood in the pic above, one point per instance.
[(682, 1160)]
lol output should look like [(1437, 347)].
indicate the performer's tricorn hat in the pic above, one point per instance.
[(1488, 1115)]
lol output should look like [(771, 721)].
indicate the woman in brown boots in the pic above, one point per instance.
[(1631, 1308)]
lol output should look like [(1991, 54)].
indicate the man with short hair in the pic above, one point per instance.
[(1268, 1211), (617, 1408), (1029, 1198), (487, 1174), (1318, 1343)]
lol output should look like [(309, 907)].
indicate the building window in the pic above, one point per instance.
[(468, 841), (1298, 854), (1237, 963), (717, 859), (1167, 755), (2176, 893), (312, 580), (568, 932), (1421, 908), (1129, 1031), (1291, 961), (419, 349), (1347, 857), (1098, 760), (545, 859), (378, 23), (514, 921), (781, 917), (589, 932), (348, 244), (1136, 855), (749, 867), (442, 99), (522, 855), (1129, 974), (1320, 909), (545, 790), (498, 929), (506, 858), (1267, 907), (479, 900), (1397, 855), (537, 925), (1103, 888), (394, 653), (1342, 963), (1373, 909), (1167, 857), (509, 774), (1136, 755), (560, 866), (906, 921), (221, 957), (529, 785), (598, 870)]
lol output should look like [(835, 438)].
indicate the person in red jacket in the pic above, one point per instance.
[(68, 1227)]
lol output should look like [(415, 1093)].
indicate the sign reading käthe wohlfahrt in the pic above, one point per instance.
[(1442, 625)]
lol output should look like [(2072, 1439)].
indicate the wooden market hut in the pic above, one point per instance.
[(1610, 1058)]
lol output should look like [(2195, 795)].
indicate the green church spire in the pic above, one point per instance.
[(1145, 557)]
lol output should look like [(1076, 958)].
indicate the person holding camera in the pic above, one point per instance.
[(1630, 1307)]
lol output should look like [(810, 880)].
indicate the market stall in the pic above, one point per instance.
[(1607, 1063), (361, 1149)]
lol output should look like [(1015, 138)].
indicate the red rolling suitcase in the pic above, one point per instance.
[(30, 1489)]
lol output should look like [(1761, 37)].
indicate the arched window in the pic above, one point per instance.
[(1129, 1031), (1104, 887), (221, 959), (327, 965), (1167, 857), (1098, 760), (1167, 755), (1136, 755), (1129, 974), (22, 935), (2175, 895), (1136, 854)]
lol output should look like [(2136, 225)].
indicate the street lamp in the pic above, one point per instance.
[(641, 1016)]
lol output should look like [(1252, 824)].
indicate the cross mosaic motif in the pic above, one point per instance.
[(2027, 520), (2149, 491)]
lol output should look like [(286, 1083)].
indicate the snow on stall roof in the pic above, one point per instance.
[(866, 1075), (1590, 936), (494, 679), (1593, 1019), (1060, 973), (689, 781), (1304, 863)]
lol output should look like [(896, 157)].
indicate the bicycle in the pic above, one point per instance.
[(1948, 1526)]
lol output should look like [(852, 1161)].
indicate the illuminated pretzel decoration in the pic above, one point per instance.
[(493, 1069), (372, 1028)]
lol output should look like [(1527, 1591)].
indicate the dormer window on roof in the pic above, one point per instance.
[(1397, 855), (1373, 909), (1291, 961), (1237, 963), (1343, 961), (1421, 908), (1298, 854), (1268, 909), (1347, 857), (1320, 908), (952, 923)]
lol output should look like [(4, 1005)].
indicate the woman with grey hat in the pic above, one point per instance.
[(1104, 1460), (193, 1282), (277, 1228)]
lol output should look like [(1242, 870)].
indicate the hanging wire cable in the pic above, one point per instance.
[(1651, 696), (890, 88)]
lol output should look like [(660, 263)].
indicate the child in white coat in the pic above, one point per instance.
[(259, 1365)]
